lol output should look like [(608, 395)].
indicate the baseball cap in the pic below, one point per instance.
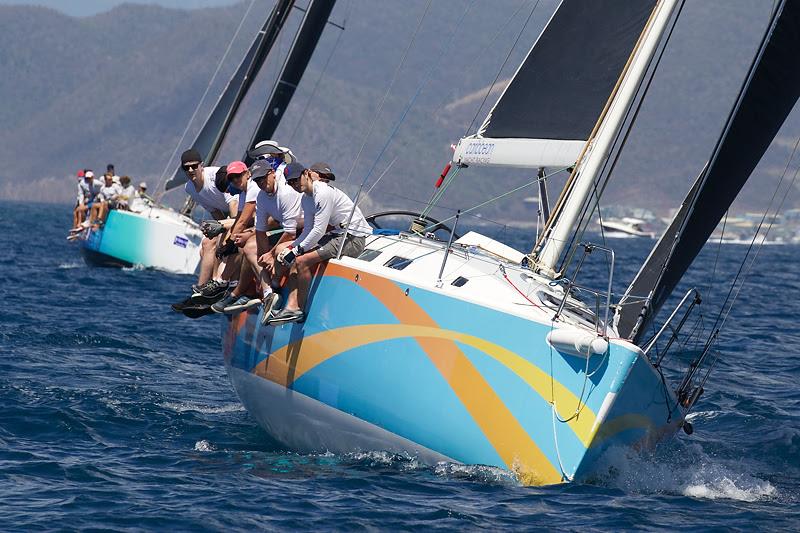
[(80, 173), (324, 169), (293, 171), (142, 185), (88, 174), (236, 167), (260, 168)]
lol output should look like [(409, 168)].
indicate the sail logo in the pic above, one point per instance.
[(180, 241), (479, 148), (479, 152)]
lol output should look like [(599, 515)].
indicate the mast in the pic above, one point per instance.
[(567, 214), (768, 94), (213, 132), (314, 21)]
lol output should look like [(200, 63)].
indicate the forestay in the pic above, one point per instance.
[(547, 113)]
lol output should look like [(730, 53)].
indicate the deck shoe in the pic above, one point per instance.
[(285, 316), (196, 311), (211, 294), (242, 303), (220, 306), (197, 288), (179, 306), (271, 302)]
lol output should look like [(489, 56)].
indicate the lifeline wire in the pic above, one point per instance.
[(200, 103)]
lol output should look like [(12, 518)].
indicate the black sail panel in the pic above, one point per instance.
[(305, 42), (765, 100), (213, 132), (563, 84)]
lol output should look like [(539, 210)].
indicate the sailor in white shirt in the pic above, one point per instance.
[(127, 193), (283, 208), (88, 188), (201, 186), (323, 207)]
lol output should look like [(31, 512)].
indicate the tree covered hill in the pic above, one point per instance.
[(121, 87)]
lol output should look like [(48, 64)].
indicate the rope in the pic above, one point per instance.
[(162, 180), (388, 90)]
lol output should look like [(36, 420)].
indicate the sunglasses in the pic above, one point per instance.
[(189, 168), (258, 179)]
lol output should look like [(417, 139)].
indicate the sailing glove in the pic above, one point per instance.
[(211, 228), (226, 249)]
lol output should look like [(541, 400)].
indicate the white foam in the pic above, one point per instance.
[(204, 446), (687, 471), (134, 268), (182, 407), (70, 265)]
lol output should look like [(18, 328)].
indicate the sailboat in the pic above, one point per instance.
[(465, 350), (153, 237)]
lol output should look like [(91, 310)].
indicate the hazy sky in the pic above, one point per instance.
[(82, 8)]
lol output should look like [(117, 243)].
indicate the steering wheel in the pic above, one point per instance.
[(372, 219)]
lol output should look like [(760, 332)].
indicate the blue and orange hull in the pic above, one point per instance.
[(381, 364)]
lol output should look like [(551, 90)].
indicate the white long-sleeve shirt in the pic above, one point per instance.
[(328, 206), (284, 206), (87, 192)]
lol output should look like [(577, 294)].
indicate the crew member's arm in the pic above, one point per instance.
[(324, 210)]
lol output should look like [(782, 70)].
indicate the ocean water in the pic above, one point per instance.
[(116, 413)]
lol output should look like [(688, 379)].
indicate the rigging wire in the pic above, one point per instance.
[(755, 236), (502, 66), (388, 90), (162, 179), (413, 99), (322, 74)]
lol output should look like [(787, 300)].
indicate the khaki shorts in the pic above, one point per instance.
[(329, 244)]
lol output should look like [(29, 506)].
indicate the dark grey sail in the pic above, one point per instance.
[(314, 21), (766, 98), (558, 93), (213, 132)]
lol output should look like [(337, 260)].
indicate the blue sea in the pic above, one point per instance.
[(116, 414)]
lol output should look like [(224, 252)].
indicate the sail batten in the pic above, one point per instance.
[(767, 96), (559, 91)]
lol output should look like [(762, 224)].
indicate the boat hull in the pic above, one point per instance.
[(380, 364), (157, 238)]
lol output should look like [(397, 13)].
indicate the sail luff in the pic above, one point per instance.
[(600, 147), (212, 134), (767, 96), (305, 42)]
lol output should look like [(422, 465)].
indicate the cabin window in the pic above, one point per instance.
[(398, 263), (459, 281), (369, 255)]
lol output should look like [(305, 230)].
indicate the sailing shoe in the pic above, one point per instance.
[(271, 302), (197, 288), (285, 316), (211, 294), (180, 306), (243, 303), (220, 306)]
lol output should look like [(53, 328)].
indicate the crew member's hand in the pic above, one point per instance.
[(211, 228), (240, 239)]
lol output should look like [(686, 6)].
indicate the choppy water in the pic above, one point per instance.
[(116, 413)]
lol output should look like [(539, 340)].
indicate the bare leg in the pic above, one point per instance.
[(300, 279), (207, 259)]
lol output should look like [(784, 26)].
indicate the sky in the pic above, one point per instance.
[(84, 8)]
